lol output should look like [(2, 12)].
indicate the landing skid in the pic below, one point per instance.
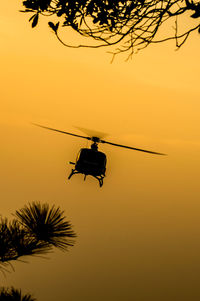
[(99, 178)]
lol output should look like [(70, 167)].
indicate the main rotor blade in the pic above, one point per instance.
[(63, 132), (137, 149), (92, 133)]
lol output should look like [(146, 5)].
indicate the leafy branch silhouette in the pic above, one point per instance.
[(12, 294), (133, 25), (35, 230)]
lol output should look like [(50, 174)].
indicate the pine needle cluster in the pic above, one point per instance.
[(35, 230)]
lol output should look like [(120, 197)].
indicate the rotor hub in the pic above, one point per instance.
[(95, 139)]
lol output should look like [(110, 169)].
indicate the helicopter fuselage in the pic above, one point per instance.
[(91, 162)]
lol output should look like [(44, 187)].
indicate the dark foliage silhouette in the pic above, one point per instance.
[(35, 230), (131, 24), (46, 224), (12, 294)]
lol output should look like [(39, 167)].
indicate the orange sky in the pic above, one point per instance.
[(138, 235)]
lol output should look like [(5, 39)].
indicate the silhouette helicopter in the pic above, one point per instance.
[(90, 161)]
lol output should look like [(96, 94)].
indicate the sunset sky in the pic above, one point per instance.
[(138, 237)]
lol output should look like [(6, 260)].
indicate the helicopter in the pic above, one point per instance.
[(91, 161)]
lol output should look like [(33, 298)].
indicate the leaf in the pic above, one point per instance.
[(74, 26), (32, 17), (53, 26), (35, 20), (26, 10), (56, 26), (196, 14)]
